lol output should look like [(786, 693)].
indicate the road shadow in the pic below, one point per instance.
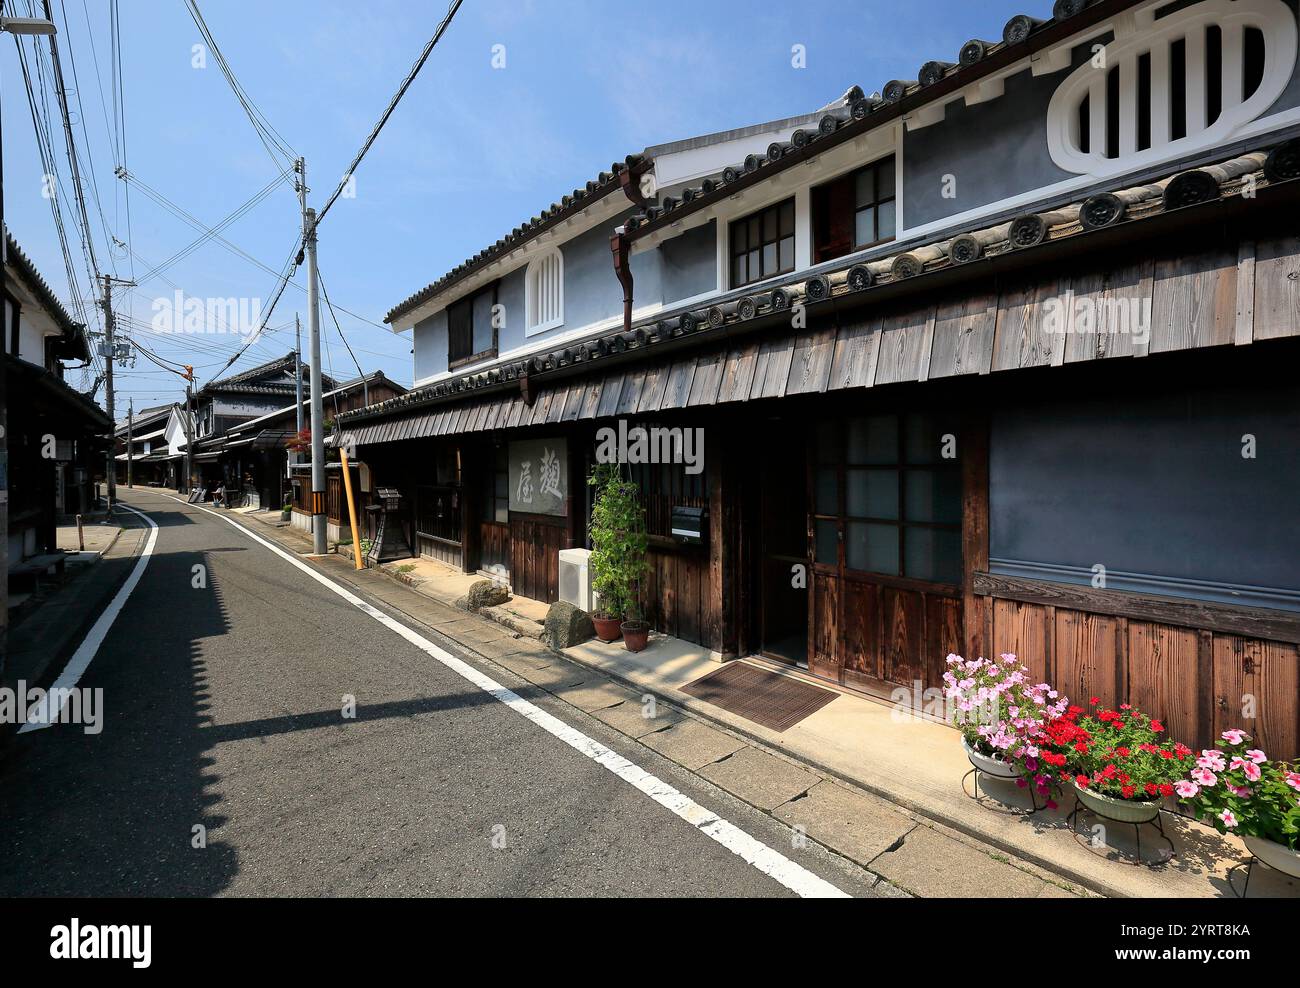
[(129, 811)]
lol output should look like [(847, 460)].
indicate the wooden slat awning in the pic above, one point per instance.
[(1215, 297)]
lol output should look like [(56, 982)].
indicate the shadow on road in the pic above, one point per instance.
[(119, 813)]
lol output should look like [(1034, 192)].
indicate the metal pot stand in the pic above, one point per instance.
[(1136, 857), (976, 772)]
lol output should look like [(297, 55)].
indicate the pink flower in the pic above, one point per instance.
[(1205, 777), (1186, 788), (1252, 772), (1234, 736), (1211, 759), (1226, 816), (1293, 780), (1257, 756), (1241, 791)]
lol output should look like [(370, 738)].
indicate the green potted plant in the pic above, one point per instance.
[(618, 556), (286, 513), (1239, 790), (1116, 760)]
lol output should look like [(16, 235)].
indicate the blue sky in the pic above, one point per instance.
[(470, 153)]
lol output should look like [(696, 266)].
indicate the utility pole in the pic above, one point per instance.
[(297, 367), (188, 421), (319, 531), (130, 433), (110, 356)]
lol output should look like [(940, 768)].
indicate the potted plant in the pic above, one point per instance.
[(286, 513), (1116, 760), (1238, 790), (1001, 714), (618, 551)]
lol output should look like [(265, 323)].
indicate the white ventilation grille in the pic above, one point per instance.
[(1171, 85), (545, 292)]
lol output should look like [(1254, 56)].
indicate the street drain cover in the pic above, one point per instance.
[(767, 698)]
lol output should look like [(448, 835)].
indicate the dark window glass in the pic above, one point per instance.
[(762, 245), (889, 486), (470, 333)]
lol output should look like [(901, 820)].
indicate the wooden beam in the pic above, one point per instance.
[(1249, 622)]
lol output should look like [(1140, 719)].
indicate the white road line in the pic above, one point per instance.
[(793, 876), (41, 715)]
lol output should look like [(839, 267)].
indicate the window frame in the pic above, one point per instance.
[(759, 214), (467, 301), (841, 519), (530, 292), (819, 220)]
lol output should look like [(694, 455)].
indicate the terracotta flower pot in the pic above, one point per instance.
[(1122, 810), (636, 634), (1275, 855), (607, 629)]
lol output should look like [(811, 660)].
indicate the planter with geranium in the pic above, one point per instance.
[(1238, 790), (1001, 714), (618, 556), (1117, 761)]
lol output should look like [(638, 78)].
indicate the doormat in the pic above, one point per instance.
[(774, 701)]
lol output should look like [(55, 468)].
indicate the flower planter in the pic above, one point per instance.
[(1277, 856), (607, 629), (635, 635), (1121, 810), (989, 764)]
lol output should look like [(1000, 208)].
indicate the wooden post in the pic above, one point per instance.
[(352, 509), (723, 544), (974, 453)]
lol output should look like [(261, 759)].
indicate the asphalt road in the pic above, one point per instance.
[(224, 711)]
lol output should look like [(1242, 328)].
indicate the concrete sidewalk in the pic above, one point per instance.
[(53, 625), (882, 790)]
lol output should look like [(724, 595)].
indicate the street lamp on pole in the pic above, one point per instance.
[(27, 25)]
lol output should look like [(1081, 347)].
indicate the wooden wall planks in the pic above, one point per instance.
[(1198, 682)]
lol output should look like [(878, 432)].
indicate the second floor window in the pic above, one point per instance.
[(762, 244), (545, 292), (854, 211), (471, 328)]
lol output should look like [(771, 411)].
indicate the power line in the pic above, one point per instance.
[(266, 133), (401, 91)]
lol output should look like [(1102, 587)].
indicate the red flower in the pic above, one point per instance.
[(1122, 752), (1126, 706), (1166, 789), (1094, 700), (1081, 781), (1157, 726), (1166, 754), (1127, 791), (1151, 789)]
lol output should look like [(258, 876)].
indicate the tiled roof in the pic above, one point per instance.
[(37, 284), (896, 96), (246, 382), (579, 199), (1024, 234)]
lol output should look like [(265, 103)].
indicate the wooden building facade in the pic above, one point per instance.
[(1059, 423)]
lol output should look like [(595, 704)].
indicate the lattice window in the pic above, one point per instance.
[(1171, 85), (545, 292)]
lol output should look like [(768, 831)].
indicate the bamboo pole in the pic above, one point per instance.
[(352, 509)]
